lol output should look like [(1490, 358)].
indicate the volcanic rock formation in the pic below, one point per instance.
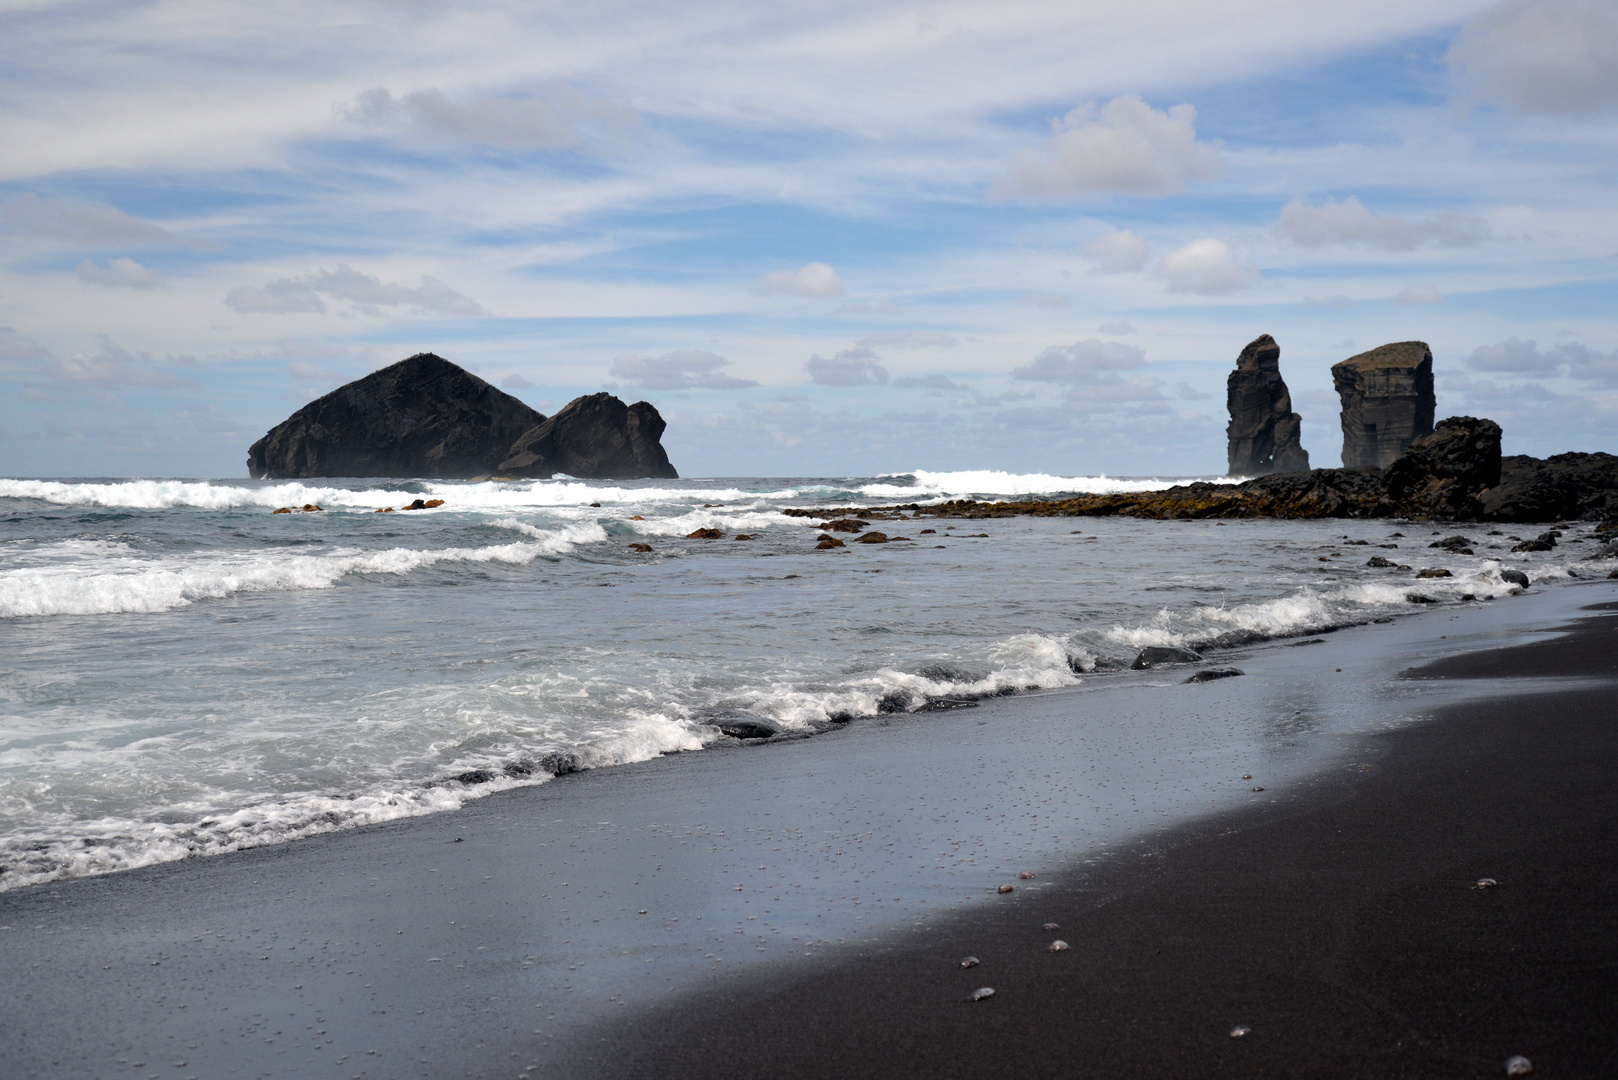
[(1444, 475), (426, 417), (423, 417), (596, 437), (1264, 431), (1387, 401)]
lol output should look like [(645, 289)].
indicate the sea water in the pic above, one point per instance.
[(184, 672)]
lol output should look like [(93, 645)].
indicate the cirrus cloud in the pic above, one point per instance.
[(850, 367), (368, 293), (124, 273)]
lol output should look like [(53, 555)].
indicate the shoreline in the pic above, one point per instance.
[(485, 961)]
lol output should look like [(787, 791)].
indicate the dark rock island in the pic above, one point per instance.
[(1387, 401), (1264, 432), (596, 437), (426, 417)]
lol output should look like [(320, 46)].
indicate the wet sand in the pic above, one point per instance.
[(801, 909)]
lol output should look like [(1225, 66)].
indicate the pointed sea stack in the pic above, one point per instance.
[(1388, 402), (422, 417), (1264, 431), (596, 437)]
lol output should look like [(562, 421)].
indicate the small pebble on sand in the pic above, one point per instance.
[(1239, 1031), (1058, 945), (1487, 883), (1518, 1066), (970, 961), (1050, 926), (1005, 888), (1026, 875), (982, 993)]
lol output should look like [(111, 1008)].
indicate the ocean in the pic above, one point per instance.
[(184, 672)]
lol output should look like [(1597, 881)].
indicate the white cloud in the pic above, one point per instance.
[(910, 339), (1336, 303), (368, 293), (1050, 300), (929, 382), (1524, 357), (126, 273), (78, 222), (513, 123), (14, 346), (1082, 362), (815, 280), (1118, 252), (515, 381), (1419, 294), (1205, 266), (1542, 56), (112, 365), (303, 369), (684, 369), (1349, 222), (851, 367), (283, 296), (1124, 146), (1117, 326)]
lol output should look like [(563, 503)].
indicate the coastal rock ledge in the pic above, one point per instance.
[(428, 418)]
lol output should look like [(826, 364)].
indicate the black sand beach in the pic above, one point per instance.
[(1336, 914)]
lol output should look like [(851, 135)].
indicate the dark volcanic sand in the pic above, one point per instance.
[(1336, 916), (1350, 936)]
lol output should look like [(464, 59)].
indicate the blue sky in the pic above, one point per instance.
[(824, 239)]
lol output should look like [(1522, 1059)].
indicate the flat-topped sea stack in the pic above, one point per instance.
[(1264, 432), (428, 418), (1388, 401), (596, 437)]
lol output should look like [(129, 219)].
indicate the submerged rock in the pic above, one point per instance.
[(596, 437), (423, 416), (1388, 402), (1161, 655), (1263, 434)]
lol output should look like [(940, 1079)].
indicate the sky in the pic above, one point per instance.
[(824, 239)]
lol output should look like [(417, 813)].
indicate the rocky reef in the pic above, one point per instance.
[(1264, 432), (596, 437), (1455, 473), (426, 417), (1388, 401)]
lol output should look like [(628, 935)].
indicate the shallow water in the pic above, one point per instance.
[(186, 673)]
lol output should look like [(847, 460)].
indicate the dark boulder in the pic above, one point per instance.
[(1160, 655), (1445, 473), (1514, 577), (1388, 402), (748, 727), (1264, 431), (1563, 487), (1210, 674), (596, 437), (422, 417)]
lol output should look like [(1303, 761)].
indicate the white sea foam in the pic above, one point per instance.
[(132, 584), (939, 485)]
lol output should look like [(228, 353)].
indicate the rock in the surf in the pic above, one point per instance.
[(1210, 674), (1163, 655), (596, 437), (1514, 577), (422, 417), (1388, 402), (748, 727), (1264, 431)]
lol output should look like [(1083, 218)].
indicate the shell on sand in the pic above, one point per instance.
[(982, 992), (1058, 945), (970, 961)]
